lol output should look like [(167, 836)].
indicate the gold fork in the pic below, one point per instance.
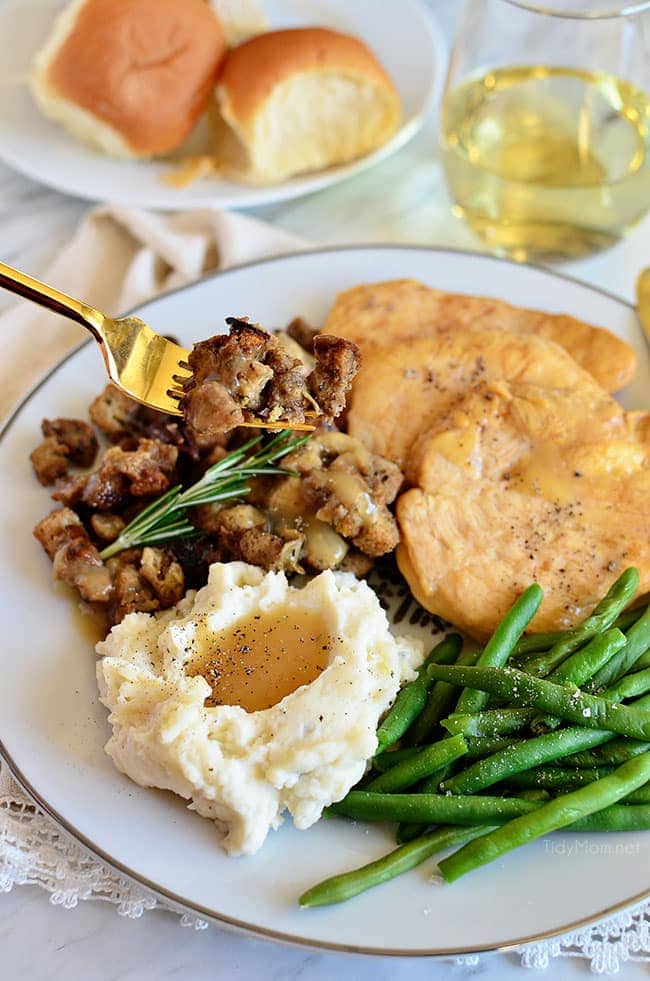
[(141, 363)]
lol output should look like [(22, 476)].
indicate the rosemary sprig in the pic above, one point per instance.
[(166, 517)]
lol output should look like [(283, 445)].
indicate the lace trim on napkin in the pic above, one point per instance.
[(34, 851)]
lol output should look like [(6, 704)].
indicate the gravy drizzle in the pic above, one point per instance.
[(259, 660)]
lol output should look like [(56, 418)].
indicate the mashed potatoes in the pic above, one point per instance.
[(322, 659)]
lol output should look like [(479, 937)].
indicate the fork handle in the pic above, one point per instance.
[(46, 296)]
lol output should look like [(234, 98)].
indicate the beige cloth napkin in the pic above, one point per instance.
[(117, 259)]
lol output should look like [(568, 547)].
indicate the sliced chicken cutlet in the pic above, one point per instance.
[(401, 391), (519, 483), (390, 312)]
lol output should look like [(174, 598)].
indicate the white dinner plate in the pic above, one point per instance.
[(401, 33), (53, 729)]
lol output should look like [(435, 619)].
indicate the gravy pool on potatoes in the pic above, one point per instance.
[(259, 660)]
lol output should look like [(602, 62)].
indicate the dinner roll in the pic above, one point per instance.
[(298, 100), (131, 77), (240, 19)]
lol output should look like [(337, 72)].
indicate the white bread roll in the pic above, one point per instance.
[(298, 100), (130, 77), (240, 19)]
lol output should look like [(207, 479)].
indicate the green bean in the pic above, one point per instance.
[(533, 793), (557, 777), (608, 694), (386, 761), (470, 811), (500, 645), (581, 666), (533, 643), (591, 711), (638, 642), (628, 617), (557, 813), (364, 805), (638, 703), (480, 746), (602, 617), (338, 888), (613, 752), (413, 697), (631, 815), (640, 796), (562, 779), (618, 817), (642, 662), (408, 830), (516, 759), (441, 699), (423, 764), (489, 722), (637, 683), (619, 746)]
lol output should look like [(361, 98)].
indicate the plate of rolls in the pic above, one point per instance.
[(180, 104)]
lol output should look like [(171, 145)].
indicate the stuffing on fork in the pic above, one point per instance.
[(250, 376)]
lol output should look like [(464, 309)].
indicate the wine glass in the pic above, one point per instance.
[(545, 126)]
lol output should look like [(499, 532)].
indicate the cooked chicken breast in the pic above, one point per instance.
[(391, 312), (518, 482), (401, 391)]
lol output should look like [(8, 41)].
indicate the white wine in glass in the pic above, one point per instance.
[(547, 159)]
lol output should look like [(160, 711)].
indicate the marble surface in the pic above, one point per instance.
[(91, 943), (403, 200)]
